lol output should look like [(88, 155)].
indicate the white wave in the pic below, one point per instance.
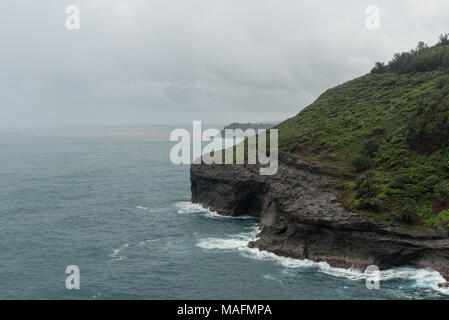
[(215, 243), (153, 240), (420, 278), (189, 207), (115, 255), (270, 277), (148, 210), (143, 243)]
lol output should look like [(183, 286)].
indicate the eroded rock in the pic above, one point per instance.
[(300, 217)]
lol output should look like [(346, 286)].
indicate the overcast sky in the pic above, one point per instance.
[(164, 62)]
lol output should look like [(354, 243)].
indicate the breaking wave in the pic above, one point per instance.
[(187, 207), (419, 278)]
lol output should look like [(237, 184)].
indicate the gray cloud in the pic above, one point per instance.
[(150, 62)]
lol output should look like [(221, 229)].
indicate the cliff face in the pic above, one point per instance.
[(301, 217)]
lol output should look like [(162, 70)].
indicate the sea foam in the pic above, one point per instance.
[(420, 278), (189, 207)]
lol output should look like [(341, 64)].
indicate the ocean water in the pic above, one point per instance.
[(120, 211)]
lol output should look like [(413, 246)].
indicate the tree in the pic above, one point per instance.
[(422, 46), (400, 62), (365, 185), (444, 39), (379, 67)]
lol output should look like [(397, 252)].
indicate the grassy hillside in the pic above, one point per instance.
[(387, 133)]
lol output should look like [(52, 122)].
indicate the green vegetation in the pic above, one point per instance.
[(387, 135), (360, 162), (409, 210), (421, 59), (442, 192), (442, 219)]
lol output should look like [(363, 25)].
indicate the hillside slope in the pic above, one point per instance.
[(387, 135)]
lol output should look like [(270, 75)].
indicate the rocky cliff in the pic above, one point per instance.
[(301, 217)]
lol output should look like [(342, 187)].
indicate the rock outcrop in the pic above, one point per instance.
[(301, 217)]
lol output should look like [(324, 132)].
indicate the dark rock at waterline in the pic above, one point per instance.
[(301, 217), (443, 285)]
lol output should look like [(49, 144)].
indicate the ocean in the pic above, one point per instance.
[(118, 209)]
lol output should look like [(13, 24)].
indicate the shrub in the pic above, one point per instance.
[(377, 130), (444, 216), (431, 182), (436, 96), (442, 191), (423, 62), (436, 221), (400, 180), (390, 83), (442, 82), (364, 185), (408, 211), (360, 162), (415, 191), (372, 204), (370, 147), (445, 90), (432, 222)]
